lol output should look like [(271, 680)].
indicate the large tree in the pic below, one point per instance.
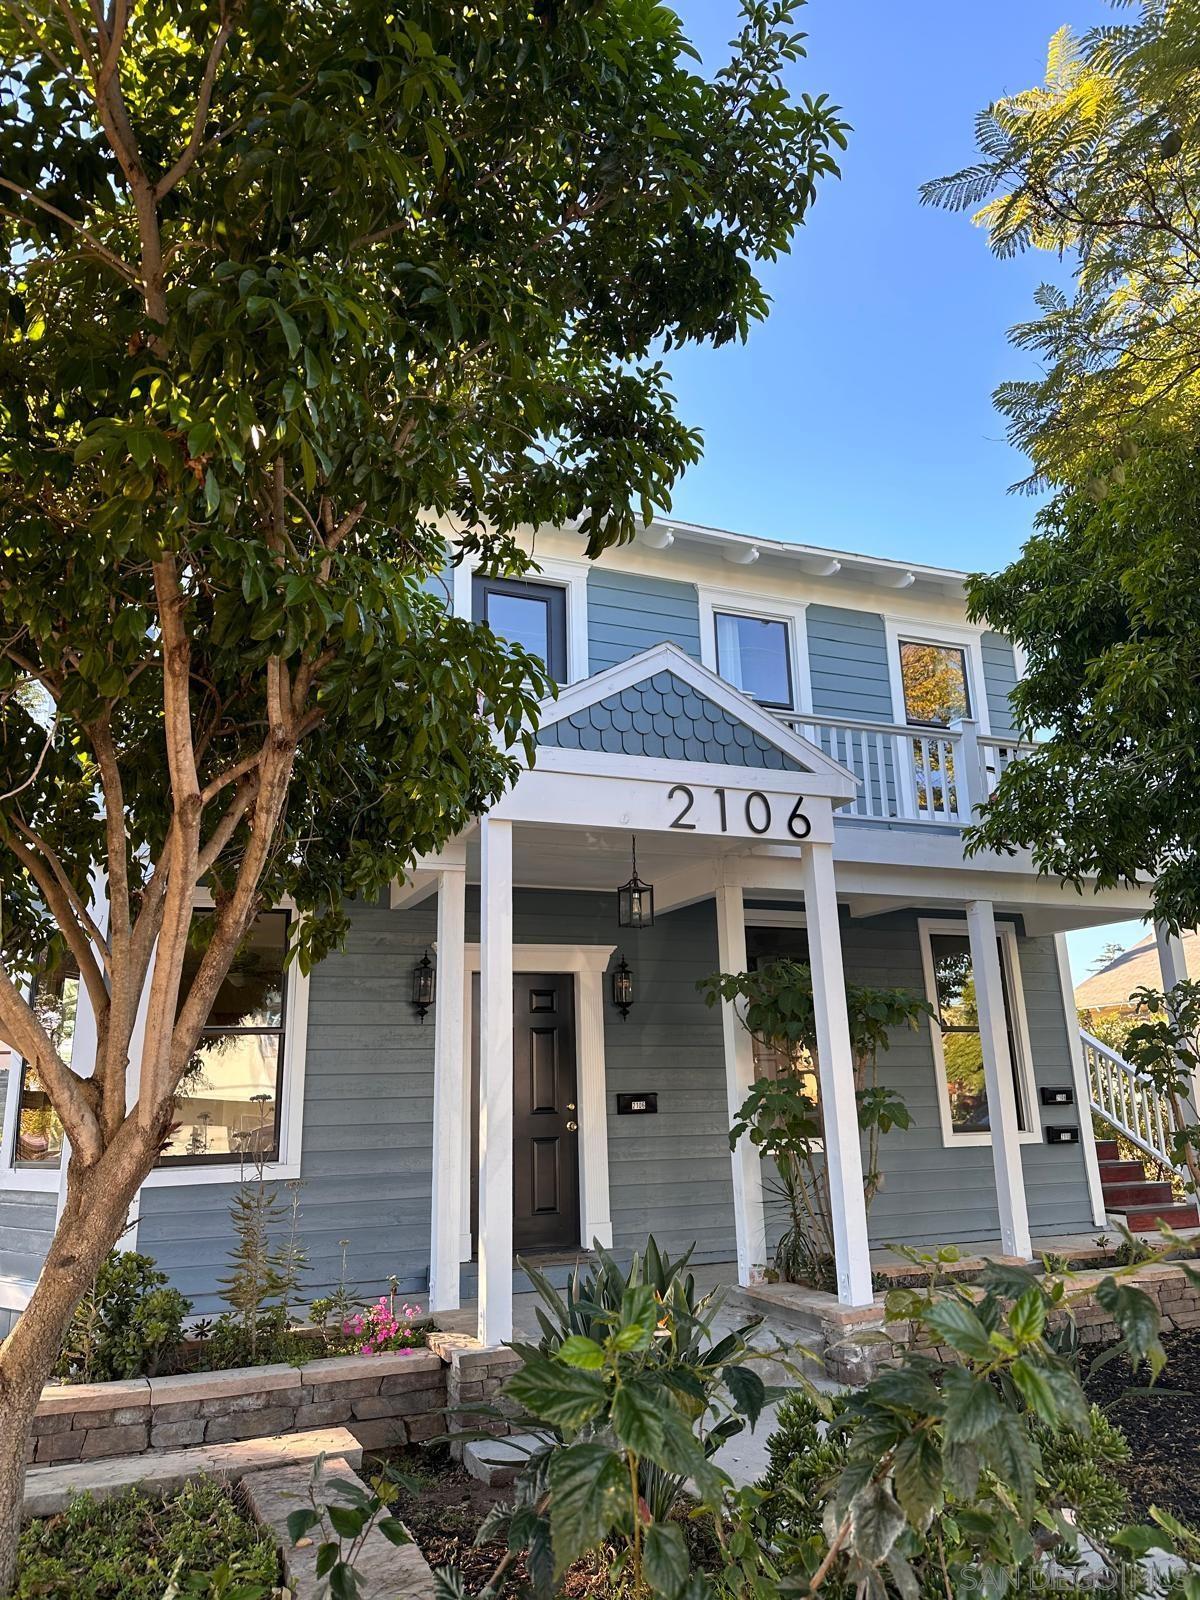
[(305, 299), (1100, 164)]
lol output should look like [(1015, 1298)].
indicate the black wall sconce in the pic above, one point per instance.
[(622, 987), (635, 900), (424, 985)]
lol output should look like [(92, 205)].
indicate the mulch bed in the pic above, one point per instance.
[(447, 1507), (1162, 1425)]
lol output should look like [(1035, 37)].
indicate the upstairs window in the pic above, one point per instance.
[(754, 655), (935, 684), (533, 615), (229, 1101)]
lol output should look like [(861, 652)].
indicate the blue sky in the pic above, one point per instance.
[(859, 415)]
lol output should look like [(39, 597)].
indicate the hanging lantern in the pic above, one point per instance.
[(622, 987), (424, 985), (635, 900)]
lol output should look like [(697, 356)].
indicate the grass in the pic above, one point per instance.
[(130, 1547)]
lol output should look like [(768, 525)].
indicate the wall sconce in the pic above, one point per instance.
[(635, 900), (424, 985), (622, 987)]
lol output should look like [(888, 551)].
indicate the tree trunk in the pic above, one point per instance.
[(92, 1221)]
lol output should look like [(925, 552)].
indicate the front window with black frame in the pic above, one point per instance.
[(961, 1039), (230, 1098), (533, 615), (763, 946), (39, 1134)]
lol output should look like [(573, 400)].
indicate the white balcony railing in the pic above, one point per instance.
[(1128, 1101), (906, 774)]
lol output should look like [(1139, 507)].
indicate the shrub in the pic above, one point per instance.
[(125, 1325), (132, 1547)]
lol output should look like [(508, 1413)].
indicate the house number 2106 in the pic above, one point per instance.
[(756, 808)]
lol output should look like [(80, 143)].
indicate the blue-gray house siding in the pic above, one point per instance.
[(848, 663), (1000, 679), (366, 1164), (628, 612)]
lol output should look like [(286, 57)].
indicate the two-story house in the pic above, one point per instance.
[(512, 1056)]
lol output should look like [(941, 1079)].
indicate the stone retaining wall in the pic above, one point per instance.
[(392, 1399), (858, 1340)]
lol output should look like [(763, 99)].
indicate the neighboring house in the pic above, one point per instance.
[(1107, 992), (794, 737)]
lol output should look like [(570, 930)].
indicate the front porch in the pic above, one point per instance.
[(734, 819)]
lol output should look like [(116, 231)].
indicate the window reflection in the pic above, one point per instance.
[(962, 1043), (39, 1141), (752, 655), (228, 1104)]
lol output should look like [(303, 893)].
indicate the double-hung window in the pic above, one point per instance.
[(958, 1043), (231, 1096), (754, 654), (533, 615)]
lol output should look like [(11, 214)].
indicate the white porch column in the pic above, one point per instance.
[(1087, 1134), (998, 1076), (495, 1083), (835, 1062), (1172, 965), (448, 1075), (749, 1222)]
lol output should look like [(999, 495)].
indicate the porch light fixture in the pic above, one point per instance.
[(635, 900), (622, 987), (424, 985)]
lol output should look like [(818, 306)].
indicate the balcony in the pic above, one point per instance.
[(922, 775)]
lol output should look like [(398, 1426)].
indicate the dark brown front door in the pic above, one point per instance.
[(545, 1111)]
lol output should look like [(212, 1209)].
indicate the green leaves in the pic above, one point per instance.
[(667, 1564), (956, 1324), (559, 1394), (588, 1485)]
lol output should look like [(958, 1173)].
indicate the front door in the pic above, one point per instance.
[(545, 1111)]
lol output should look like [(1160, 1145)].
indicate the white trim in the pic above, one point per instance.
[(588, 963), (448, 1073), (557, 572), (667, 657), (495, 1221), (15, 1293), (745, 603), (963, 636), (1007, 936), (757, 917), (1087, 1133)]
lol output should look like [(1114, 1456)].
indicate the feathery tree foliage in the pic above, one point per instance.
[(302, 300), (1101, 163)]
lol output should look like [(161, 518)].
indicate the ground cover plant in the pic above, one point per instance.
[(134, 1547)]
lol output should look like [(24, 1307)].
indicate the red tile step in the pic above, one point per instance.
[(1120, 1196), (1107, 1150), (1139, 1220)]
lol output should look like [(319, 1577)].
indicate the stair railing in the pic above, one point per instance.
[(1128, 1101)]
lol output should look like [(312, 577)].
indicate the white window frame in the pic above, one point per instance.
[(959, 636), (739, 603), (1010, 956), (34, 1180), (559, 572)]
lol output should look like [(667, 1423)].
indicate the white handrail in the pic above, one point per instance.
[(1128, 1101)]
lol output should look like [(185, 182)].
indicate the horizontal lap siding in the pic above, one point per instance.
[(368, 1130), (932, 1194), (629, 613), (848, 660), (1000, 678), (27, 1219)]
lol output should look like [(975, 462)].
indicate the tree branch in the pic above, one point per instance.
[(105, 254), (203, 102), (65, 1088)]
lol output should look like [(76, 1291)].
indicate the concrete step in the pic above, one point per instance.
[(383, 1568), (51, 1489), (1122, 1172), (557, 1269), (1120, 1196), (499, 1461)]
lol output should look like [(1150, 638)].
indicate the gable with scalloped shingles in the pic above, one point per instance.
[(664, 717)]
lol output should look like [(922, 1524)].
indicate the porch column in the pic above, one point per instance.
[(998, 1076), (448, 1076), (835, 1063), (1172, 965), (495, 1082), (749, 1223)]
